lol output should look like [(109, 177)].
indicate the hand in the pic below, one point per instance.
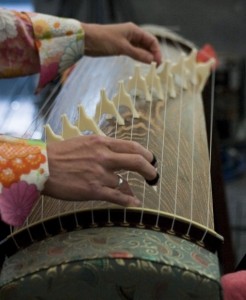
[(82, 168), (121, 39)]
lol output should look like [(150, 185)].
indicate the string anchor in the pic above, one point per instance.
[(154, 82), (85, 123), (190, 64), (50, 136), (124, 98), (203, 71), (105, 106), (167, 79), (180, 72), (138, 83), (69, 130)]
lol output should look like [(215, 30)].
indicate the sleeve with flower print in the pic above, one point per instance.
[(23, 173), (18, 53), (33, 43), (60, 44)]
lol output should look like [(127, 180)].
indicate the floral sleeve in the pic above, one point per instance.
[(31, 43), (36, 43), (23, 172)]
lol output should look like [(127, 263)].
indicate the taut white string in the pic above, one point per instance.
[(147, 146), (163, 137), (131, 134), (210, 151), (178, 148), (192, 159)]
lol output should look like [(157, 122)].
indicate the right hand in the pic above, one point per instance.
[(121, 39), (83, 168)]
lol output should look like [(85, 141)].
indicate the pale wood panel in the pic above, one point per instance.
[(83, 87), (105, 73)]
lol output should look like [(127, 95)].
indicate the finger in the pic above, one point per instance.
[(148, 42), (132, 162), (115, 181), (139, 54), (118, 197), (153, 46), (130, 147), (123, 186), (109, 179)]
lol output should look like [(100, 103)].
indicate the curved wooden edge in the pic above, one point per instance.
[(135, 217)]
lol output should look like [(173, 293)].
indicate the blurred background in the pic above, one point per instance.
[(220, 23)]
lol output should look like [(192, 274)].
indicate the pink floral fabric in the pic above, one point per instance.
[(31, 43), (18, 54), (23, 172), (59, 42), (17, 201), (36, 43)]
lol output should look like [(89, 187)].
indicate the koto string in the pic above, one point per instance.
[(92, 202), (192, 158), (131, 135), (13, 238), (40, 113), (27, 133), (28, 230), (147, 146), (115, 136), (210, 149), (27, 224), (42, 216), (166, 55), (178, 148), (17, 89)]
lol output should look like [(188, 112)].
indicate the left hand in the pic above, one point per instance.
[(121, 39)]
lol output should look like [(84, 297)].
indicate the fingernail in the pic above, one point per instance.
[(153, 181), (154, 161), (136, 202)]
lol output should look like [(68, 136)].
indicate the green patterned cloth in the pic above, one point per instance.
[(111, 264)]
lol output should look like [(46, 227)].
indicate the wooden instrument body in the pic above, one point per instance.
[(116, 248)]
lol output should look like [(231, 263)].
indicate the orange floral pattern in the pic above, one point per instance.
[(36, 43), (21, 160), (18, 159)]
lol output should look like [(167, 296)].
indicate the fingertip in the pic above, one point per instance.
[(136, 202), (157, 57), (142, 55), (131, 201)]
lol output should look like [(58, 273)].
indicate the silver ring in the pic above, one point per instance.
[(121, 180)]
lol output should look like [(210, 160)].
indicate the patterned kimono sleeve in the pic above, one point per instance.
[(60, 44), (23, 173), (36, 43), (18, 53)]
